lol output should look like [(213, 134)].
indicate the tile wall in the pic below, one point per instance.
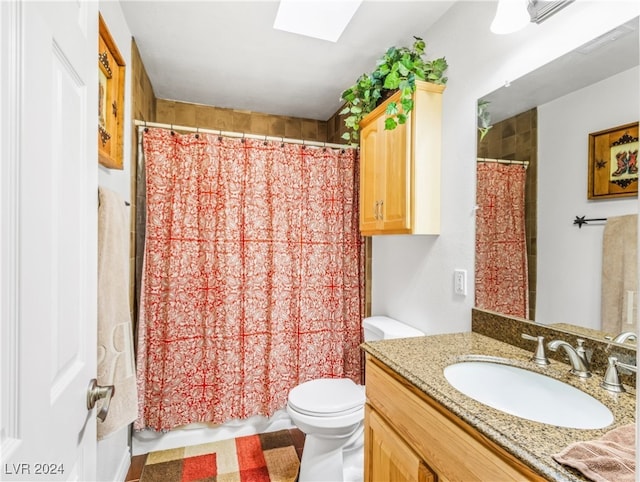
[(217, 118), (143, 107)]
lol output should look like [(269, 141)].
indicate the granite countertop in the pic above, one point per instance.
[(422, 360), (590, 332)]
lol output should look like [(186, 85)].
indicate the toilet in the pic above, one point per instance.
[(330, 411)]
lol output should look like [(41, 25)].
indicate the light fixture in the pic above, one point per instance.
[(540, 10), (514, 15), (322, 19), (511, 16)]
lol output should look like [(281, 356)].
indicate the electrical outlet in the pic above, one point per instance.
[(460, 282)]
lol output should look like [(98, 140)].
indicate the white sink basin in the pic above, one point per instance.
[(528, 394)]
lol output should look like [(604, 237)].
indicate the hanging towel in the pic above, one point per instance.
[(115, 333), (611, 458), (619, 274)]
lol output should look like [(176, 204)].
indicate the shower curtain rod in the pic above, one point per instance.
[(503, 161), (141, 123)]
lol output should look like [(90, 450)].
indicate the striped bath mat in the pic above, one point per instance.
[(272, 456)]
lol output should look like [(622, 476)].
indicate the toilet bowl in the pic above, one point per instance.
[(330, 411)]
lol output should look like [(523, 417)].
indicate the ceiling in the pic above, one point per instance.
[(227, 54), (605, 56)]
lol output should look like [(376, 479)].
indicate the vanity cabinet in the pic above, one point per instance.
[(411, 437), (400, 168), (390, 458)]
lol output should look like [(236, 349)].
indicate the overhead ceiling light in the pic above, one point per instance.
[(322, 19), (540, 10), (511, 16)]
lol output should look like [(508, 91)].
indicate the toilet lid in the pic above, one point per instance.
[(327, 396)]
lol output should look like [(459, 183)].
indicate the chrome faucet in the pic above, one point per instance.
[(577, 356), (623, 337), (611, 380)]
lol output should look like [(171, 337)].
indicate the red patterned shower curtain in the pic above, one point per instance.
[(501, 246), (252, 278)]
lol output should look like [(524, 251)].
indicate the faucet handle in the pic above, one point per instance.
[(539, 357), (582, 351), (611, 380)]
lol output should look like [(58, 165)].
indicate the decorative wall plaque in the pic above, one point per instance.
[(613, 162), (110, 100)]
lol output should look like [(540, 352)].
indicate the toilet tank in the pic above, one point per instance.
[(385, 328)]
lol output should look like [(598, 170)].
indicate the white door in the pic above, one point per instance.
[(48, 203)]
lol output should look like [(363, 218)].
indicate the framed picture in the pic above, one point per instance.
[(613, 162), (110, 100)]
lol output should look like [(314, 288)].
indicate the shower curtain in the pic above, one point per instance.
[(501, 246), (252, 279)]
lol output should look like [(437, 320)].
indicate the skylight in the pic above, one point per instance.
[(324, 19)]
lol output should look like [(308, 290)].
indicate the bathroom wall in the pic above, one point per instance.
[(563, 128), (413, 275), (113, 455)]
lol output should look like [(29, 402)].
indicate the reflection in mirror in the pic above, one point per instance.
[(545, 119)]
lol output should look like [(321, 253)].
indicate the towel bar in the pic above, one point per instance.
[(580, 220)]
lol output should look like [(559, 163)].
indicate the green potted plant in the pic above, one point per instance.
[(484, 118), (397, 69)]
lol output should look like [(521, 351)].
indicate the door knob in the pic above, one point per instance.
[(96, 392)]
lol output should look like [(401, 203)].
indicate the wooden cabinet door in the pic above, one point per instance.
[(400, 170), (371, 177), (396, 206), (384, 201), (388, 457)]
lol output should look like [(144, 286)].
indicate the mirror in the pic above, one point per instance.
[(564, 282)]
